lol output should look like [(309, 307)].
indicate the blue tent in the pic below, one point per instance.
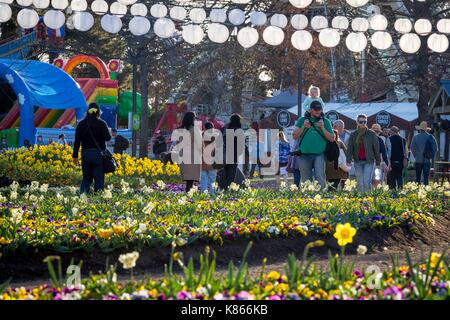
[(39, 84)]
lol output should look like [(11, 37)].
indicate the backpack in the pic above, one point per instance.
[(331, 149), (428, 152)]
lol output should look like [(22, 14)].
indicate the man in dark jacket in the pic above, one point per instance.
[(120, 143), (418, 147), (384, 157), (159, 146), (397, 156)]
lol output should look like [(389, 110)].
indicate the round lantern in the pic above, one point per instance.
[(279, 20), (273, 36), (99, 7), (300, 3), (78, 5), (164, 27), (158, 10), (360, 24), (438, 43), (248, 37), (381, 40), (319, 23), (5, 12), (423, 27), (410, 43), (118, 9), (356, 41), (60, 4), (443, 26), (178, 13), (83, 21), (301, 40), (24, 3), (197, 15), (6, 1), (41, 4), (378, 22), (218, 32), (236, 17), (139, 9), (193, 34), (54, 19), (403, 25), (111, 23), (299, 21), (329, 37), (340, 22), (27, 18), (127, 2), (139, 26), (218, 15), (357, 3), (258, 18)]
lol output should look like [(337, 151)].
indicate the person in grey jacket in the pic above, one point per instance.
[(422, 163)]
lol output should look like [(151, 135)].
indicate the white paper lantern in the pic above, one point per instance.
[(24, 3), (83, 21), (54, 19), (41, 4), (139, 9), (299, 21), (301, 40), (193, 34), (78, 5), (60, 4), (360, 24), (381, 40), (6, 1), (248, 37), (5, 12), (423, 27), (218, 15), (158, 10), (340, 23), (164, 27), (197, 15), (218, 32), (356, 41), (378, 22), (111, 23), (329, 37), (258, 18), (403, 25), (300, 3), (443, 26), (279, 20), (319, 23), (27, 18), (236, 17), (127, 2), (118, 9), (139, 26), (410, 43), (240, 1), (178, 13), (273, 36), (99, 7), (438, 43), (357, 3)]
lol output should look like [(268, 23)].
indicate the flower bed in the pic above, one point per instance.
[(53, 164), (58, 219)]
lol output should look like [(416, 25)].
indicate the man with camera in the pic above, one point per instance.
[(313, 131)]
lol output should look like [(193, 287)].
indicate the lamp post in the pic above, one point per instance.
[(299, 89)]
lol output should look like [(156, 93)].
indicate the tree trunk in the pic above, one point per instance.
[(236, 98)]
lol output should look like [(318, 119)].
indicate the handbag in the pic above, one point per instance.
[(109, 162)]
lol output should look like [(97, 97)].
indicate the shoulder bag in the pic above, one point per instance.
[(109, 162)]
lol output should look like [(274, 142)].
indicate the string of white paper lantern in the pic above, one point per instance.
[(248, 37), (273, 36), (139, 26), (164, 27), (217, 32), (438, 43), (301, 40), (5, 12), (54, 19), (99, 7), (83, 21)]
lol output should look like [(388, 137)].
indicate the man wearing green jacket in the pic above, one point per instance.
[(363, 148)]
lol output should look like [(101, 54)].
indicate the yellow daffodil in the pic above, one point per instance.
[(344, 234)]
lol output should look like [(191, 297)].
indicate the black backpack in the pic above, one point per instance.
[(428, 152), (331, 150)]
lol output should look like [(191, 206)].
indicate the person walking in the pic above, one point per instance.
[(121, 144), (209, 173), (364, 150), (384, 156), (233, 152), (398, 158), (313, 131), (91, 134), (284, 149), (423, 148), (339, 175), (190, 169)]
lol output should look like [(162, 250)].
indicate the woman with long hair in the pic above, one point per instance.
[(231, 169), (91, 134), (337, 176)]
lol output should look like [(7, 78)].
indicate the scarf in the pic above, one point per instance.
[(360, 136)]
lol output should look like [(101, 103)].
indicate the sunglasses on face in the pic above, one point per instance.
[(362, 121)]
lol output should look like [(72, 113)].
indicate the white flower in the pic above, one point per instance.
[(293, 187), (141, 294), (142, 227), (234, 187), (361, 250), (74, 295), (34, 185), (73, 190), (142, 181), (16, 215), (59, 196), (44, 188), (148, 208), (107, 194), (350, 185), (202, 290), (147, 189), (33, 198), (14, 186), (215, 185), (182, 201), (161, 185), (247, 183), (128, 260), (193, 190), (13, 195), (317, 197), (74, 210), (282, 185), (2, 198), (125, 296), (273, 230)]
